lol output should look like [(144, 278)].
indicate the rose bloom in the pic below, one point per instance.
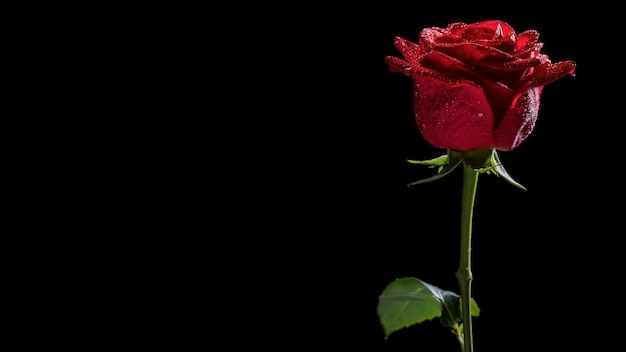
[(476, 86)]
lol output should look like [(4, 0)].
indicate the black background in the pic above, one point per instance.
[(234, 178), (304, 211)]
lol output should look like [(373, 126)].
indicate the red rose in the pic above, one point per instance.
[(476, 86)]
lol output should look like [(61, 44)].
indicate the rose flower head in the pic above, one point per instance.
[(476, 86)]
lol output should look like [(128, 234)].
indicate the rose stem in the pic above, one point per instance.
[(464, 272)]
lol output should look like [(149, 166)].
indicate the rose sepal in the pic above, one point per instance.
[(493, 165), (483, 161), (446, 164)]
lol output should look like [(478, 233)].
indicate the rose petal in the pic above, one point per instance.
[(455, 28), (498, 95), (453, 116), (526, 41), (508, 72), (548, 72), (520, 120), (399, 65), (473, 52), (409, 50), (491, 32), (428, 38), (514, 65), (530, 52)]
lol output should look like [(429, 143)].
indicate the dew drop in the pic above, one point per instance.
[(480, 114), (498, 33)]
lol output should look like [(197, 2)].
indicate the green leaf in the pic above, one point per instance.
[(409, 301), (452, 310), (474, 310), (451, 306), (451, 161), (405, 302)]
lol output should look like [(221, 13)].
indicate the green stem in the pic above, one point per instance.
[(464, 273)]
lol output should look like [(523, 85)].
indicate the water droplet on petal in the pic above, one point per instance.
[(498, 33)]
